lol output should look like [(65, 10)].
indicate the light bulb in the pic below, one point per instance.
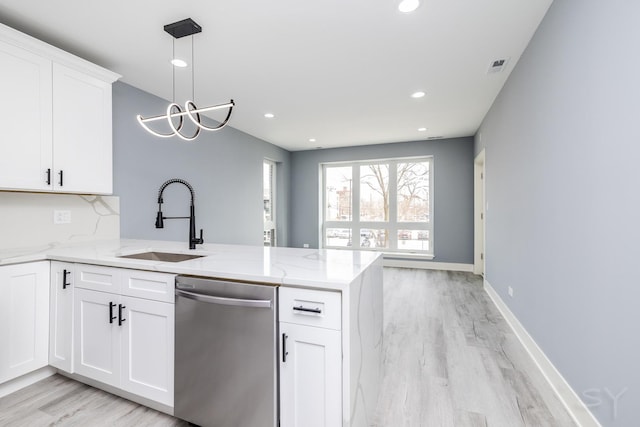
[(179, 63), (408, 6)]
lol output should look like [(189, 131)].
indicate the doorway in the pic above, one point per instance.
[(269, 200), (479, 214)]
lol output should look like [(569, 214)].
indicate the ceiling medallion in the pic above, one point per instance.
[(186, 27)]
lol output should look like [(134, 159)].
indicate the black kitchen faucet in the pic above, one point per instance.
[(193, 240)]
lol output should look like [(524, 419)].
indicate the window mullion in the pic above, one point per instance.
[(393, 205), (355, 202)]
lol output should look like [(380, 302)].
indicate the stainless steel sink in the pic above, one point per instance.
[(162, 256)]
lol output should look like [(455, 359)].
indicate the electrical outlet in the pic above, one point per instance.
[(306, 245), (61, 217), (510, 290)]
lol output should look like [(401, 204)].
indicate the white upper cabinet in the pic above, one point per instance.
[(55, 116), (25, 119), (82, 157)]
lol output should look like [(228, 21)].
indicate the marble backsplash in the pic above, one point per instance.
[(27, 219)]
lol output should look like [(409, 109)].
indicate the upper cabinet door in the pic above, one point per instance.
[(82, 139), (25, 119)]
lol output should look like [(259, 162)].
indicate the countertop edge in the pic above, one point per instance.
[(52, 253)]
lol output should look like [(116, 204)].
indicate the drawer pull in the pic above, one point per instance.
[(308, 310)]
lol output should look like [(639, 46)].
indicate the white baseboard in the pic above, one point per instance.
[(449, 266), (25, 380), (577, 409)]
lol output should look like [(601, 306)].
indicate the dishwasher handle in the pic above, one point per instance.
[(224, 301)]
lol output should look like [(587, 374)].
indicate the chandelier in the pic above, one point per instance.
[(175, 114)]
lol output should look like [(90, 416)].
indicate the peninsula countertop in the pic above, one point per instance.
[(330, 269)]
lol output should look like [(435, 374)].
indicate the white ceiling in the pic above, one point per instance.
[(339, 71)]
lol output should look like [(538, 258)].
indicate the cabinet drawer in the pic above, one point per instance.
[(310, 307), (98, 278), (148, 285)]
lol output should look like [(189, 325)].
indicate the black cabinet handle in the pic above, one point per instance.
[(120, 318), (308, 310), (61, 177), (284, 348), (111, 316), (64, 279), (49, 176)]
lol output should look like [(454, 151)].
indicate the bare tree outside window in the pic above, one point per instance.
[(413, 192), (374, 192), (405, 226)]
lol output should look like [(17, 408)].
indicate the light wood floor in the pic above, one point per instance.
[(450, 360)]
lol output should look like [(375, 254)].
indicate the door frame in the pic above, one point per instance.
[(271, 226), (479, 215)]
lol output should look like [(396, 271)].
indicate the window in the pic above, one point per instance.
[(268, 193), (381, 205)]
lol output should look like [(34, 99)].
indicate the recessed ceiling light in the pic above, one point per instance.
[(418, 94), (312, 140), (179, 63), (269, 115), (422, 129), (408, 6)]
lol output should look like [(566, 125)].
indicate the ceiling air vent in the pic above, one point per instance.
[(497, 66)]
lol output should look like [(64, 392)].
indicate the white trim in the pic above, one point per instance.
[(479, 214), (25, 380), (428, 265), (24, 41), (576, 408)]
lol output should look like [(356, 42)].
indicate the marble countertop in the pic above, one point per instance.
[(318, 268)]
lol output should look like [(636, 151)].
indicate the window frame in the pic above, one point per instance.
[(271, 225), (392, 226)]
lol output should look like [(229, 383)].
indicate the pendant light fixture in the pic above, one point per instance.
[(186, 27)]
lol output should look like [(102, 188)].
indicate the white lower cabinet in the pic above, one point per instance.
[(310, 359), (310, 377), (123, 341), (97, 336), (24, 318), (147, 347), (61, 316)]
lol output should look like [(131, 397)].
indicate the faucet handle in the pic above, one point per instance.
[(200, 240)]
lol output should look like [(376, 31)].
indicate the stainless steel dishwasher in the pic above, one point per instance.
[(226, 353)]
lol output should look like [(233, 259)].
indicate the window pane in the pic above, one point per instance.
[(268, 198), (374, 192), (340, 237), (267, 191), (338, 183), (373, 238), (413, 191), (413, 240)]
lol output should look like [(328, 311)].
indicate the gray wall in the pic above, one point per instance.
[(562, 160), (453, 191), (224, 167)]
